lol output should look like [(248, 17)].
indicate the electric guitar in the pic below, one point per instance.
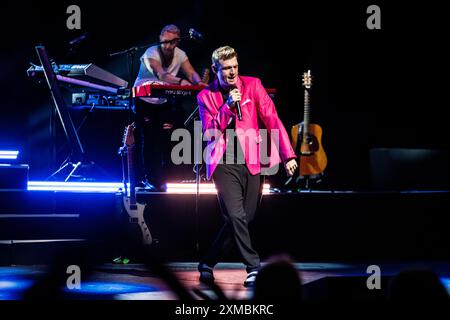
[(135, 210), (306, 138)]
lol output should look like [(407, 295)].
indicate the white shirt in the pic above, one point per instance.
[(148, 76)]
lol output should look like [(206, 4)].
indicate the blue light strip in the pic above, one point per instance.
[(104, 187), (7, 154)]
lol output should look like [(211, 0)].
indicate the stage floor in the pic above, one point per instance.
[(321, 280)]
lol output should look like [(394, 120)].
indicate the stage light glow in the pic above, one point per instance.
[(446, 282), (110, 288), (12, 288), (106, 187), (111, 187), (8, 154), (204, 188)]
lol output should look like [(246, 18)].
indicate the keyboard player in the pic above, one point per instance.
[(157, 117)]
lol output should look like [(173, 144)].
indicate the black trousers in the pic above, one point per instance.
[(239, 193)]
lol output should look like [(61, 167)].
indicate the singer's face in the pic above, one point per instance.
[(227, 72), (169, 47)]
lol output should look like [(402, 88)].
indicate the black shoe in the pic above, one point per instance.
[(250, 281), (206, 273)]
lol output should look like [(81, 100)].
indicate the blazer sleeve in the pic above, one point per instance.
[(269, 116)]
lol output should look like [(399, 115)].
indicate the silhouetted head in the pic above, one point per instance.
[(278, 280)]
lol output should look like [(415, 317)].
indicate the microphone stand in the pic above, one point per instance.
[(131, 52), (197, 149)]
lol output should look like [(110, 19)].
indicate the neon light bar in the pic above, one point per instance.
[(75, 186), (204, 188), (111, 187), (191, 188), (6, 154)]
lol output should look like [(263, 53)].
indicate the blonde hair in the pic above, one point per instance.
[(171, 28), (223, 53)]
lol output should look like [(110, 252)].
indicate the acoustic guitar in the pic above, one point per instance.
[(306, 138)]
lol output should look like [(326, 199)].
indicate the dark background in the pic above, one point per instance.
[(372, 88)]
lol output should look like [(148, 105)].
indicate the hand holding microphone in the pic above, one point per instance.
[(234, 98)]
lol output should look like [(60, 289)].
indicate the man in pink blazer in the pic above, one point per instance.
[(233, 109)]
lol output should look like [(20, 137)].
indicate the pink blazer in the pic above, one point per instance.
[(258, 112)]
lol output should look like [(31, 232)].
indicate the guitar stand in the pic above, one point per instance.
[(297, 182), (307, 186), (308, 181)]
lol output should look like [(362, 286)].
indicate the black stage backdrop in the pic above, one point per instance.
[(372, 88)]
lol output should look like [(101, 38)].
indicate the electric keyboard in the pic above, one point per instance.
[(88, 75), (163, 90)]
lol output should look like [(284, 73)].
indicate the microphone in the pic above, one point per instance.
[(79, 39), (195, 34), (238, 110), (237, 105)]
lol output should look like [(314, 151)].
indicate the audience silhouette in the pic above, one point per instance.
[(278, 280)]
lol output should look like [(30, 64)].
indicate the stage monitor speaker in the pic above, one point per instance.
[(14, 176)]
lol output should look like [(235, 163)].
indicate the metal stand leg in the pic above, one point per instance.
[(75, 167), (59, 170)]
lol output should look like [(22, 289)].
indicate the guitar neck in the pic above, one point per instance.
[(306, 116), (131, 177)]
